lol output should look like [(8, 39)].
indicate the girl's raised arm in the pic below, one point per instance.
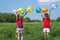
[(49, 14), (16, 16)]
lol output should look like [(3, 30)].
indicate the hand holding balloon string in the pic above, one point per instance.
[(14, 11)]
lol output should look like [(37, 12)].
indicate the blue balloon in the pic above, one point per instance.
[(38, 10), (54, 6)]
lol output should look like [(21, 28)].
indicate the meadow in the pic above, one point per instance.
[(32, 31)]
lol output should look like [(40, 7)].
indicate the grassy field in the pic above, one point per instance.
[(32, 31)]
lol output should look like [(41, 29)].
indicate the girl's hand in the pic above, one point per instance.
[(16, 14), (48, 13)]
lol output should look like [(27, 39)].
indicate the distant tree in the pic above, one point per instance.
[(58, 19), (35, 21), (27, 19), (10, 18), (32, 21), (2, 19), (7, 17), (53, 20)]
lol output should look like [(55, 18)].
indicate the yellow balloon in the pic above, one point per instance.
[(20, 10), (21, 14), (29, 9)]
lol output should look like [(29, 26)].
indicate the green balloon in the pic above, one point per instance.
[(38, 10)]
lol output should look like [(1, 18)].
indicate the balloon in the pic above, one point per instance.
[(20, 11), (38, 10), (29, 9), (54, 6), (44, 10), (14, 11)]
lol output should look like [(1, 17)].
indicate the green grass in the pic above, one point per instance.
[(32, 31)]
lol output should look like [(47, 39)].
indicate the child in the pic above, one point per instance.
[(46, 24), (19, 21)]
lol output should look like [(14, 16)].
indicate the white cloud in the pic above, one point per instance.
[(48, 0)]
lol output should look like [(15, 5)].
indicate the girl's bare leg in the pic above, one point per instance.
[(21, 36), (47, 34)]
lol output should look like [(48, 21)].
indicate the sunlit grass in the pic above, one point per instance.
[(32, 31)]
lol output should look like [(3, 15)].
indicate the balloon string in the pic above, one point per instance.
[(50, 10), (25, 13)]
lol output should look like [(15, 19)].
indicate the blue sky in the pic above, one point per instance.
[(9, 5)]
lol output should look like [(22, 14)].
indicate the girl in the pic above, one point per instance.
[(46, 24), (19, 21)]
